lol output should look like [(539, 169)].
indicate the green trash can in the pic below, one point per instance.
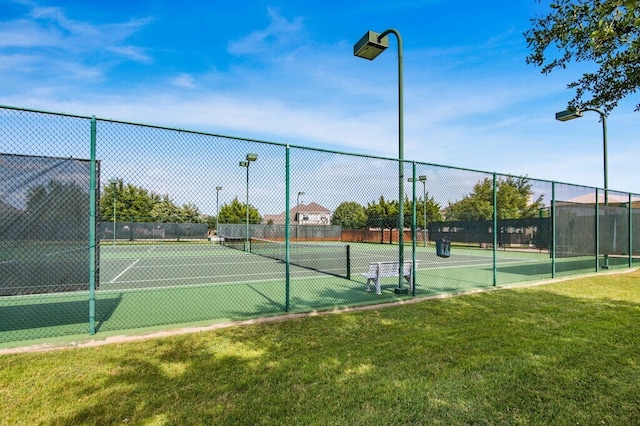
[(443, 247)]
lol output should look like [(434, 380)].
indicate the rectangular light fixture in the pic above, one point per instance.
[(252, 157), (369, 47), (568, 114)]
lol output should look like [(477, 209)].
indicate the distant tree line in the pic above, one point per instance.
[(137, 204), (383, 213), (514, 201)]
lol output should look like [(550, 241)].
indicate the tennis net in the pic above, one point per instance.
[(236, 243), (332, 259)]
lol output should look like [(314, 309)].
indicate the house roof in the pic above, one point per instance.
[(611, 198), (311, 208)]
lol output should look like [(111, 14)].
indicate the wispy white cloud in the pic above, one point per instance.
[(279, 33), (50, 27), (184, 80), (25, 33), (18, 62), (133, 53)]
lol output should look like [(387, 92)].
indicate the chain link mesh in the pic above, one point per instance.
[(194, 228)]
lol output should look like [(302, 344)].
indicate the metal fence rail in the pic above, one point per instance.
[(140, 211)]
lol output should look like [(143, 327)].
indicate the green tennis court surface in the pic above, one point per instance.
[(159, 284), (147, 266)]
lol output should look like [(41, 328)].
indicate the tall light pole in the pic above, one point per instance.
[(423, 179), (249, 159), (298, 214), (570, 114), (369, 47), (218, 189), (114, 186)]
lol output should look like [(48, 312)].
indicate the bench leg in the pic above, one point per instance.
[(409, 279), (378, 291), (368, 287)]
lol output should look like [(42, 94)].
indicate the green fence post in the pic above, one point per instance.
[(349, 261), (287, 232), (413, 230), (495, 229), (630, 233), (92, 230), (553, 230), (597, 230)]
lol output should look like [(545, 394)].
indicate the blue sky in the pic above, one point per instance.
[(284, 71)]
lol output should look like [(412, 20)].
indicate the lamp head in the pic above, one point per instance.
[(568, 114), (244, 164), (218, 188), (252, 157), (421, 178), (370, 45)]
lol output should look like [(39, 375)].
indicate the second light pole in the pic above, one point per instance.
[(369, 47), (249, 159), (571, 114)]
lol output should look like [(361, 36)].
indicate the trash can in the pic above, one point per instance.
[(443, 247)]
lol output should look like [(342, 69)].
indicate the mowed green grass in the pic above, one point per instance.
[(562, 353)]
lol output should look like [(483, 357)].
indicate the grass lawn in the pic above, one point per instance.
[(566, 353)]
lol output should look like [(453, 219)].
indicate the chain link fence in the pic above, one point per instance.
[(108, 226)]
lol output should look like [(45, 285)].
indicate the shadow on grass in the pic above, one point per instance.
[(515, 356)]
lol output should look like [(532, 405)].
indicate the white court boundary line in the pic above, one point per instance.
[(123, 272), (207, 284), (130, 266)]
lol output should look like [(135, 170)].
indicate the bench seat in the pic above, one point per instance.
[(379, 270)]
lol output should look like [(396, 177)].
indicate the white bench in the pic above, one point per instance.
[(379, 270)]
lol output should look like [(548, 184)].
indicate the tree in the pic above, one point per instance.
[(477, 205), (236, 212), (165, 210), (350, 215), (605, 32), (211, 222), (514, 201), (383, 214), (433, 211), (190, 213), (132, 202), (141, 205)]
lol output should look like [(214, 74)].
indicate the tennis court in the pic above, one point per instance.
[(166, 265), (160, 283)]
